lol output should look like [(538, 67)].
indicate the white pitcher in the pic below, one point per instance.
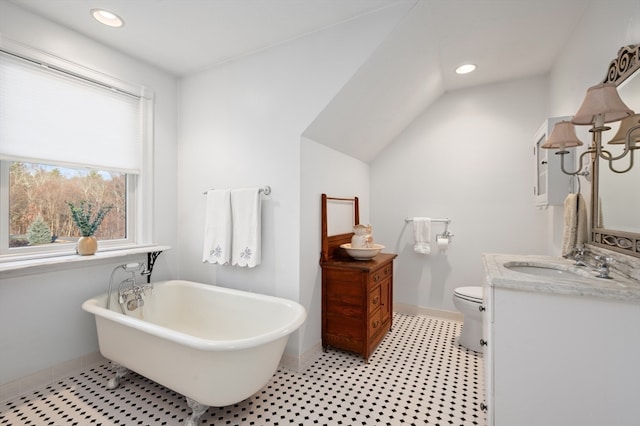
[(362, 237)]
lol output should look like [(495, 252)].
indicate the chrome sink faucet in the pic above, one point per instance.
[(579, 256), (602, 267)]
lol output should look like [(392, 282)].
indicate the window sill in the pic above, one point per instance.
[(15, 268)]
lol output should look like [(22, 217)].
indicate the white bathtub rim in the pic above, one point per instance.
[(94, 306)]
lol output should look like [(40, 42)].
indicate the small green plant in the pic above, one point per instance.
[(39, 232), (82, 217)]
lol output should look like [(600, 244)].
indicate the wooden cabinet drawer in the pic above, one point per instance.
[(375, 298), (381, 274), (375, 322)]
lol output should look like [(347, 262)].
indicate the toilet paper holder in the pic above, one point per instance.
[(445, 234)]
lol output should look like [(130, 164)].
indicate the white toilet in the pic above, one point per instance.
[(468, 300)]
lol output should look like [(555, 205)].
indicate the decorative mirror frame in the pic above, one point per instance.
[(620, 68), (331, 243)]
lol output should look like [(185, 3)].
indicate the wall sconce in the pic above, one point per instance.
[(601, 105)]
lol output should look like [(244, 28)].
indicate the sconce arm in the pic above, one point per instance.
[(577, 172), (629, 147)]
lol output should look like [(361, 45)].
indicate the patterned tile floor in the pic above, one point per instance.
[(418, 376)]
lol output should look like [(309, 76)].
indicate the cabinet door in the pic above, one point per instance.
[(550, 184), (488, 335)]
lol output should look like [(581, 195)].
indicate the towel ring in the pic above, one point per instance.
[(572, 186)]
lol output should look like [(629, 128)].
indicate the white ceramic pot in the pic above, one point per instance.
[(362, 237)]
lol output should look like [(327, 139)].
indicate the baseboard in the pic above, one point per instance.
[(302, 362), (404, 308), (49, 376)]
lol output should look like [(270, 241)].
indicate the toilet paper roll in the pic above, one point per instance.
[(443, 244)]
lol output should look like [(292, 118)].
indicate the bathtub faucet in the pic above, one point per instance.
[(134, 289), (133, 296)]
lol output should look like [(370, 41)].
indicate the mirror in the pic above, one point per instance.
[(339, 214), (615, 197), (619, 203), (340, 217)]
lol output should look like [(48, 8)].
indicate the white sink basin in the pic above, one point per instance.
[(363, 253), (544, 270)]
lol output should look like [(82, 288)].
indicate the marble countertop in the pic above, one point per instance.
[(583, 283)]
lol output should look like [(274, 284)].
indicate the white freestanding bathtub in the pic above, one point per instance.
[(216, 346)]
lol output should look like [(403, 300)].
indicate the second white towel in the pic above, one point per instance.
[(422, 235), (246, 229), (575, 230)]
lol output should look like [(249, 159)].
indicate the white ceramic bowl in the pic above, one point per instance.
[(362, 253)]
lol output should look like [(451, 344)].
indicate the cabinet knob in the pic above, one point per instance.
[(387, 270), (375, 300), (375, 324), (482, 308), (483, 342), (376, 278)]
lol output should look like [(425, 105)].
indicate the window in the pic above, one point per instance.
[(39, 214), (69, 135)]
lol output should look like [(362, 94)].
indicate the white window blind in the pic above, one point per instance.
[(49, 116)]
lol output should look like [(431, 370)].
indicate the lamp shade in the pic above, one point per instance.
[(562, 136), (625, 125), (601, 100)]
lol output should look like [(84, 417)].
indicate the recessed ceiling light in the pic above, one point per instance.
[(466, 68), (107, 18)]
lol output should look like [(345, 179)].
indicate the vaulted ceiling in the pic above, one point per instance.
[(507, 39)]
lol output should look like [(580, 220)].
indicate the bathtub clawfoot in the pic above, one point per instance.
[(120, 372), (198, 410)]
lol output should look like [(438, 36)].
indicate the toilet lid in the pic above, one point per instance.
[(472, 294)]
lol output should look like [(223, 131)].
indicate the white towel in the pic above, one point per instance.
[(217, 227), (246, 217), (574, 232), (422, 235)]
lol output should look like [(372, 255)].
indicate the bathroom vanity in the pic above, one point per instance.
[(357, 295), (357, 303), (562, 347)]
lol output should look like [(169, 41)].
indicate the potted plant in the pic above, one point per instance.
[(88, 225)]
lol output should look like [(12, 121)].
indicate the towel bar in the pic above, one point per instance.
[(266, 190), (447, 220)]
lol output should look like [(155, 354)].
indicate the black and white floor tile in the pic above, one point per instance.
[(418, 376)]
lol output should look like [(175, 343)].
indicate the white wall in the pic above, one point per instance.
[(323, 170), (241, 126), (468, 158), (41, 322)]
